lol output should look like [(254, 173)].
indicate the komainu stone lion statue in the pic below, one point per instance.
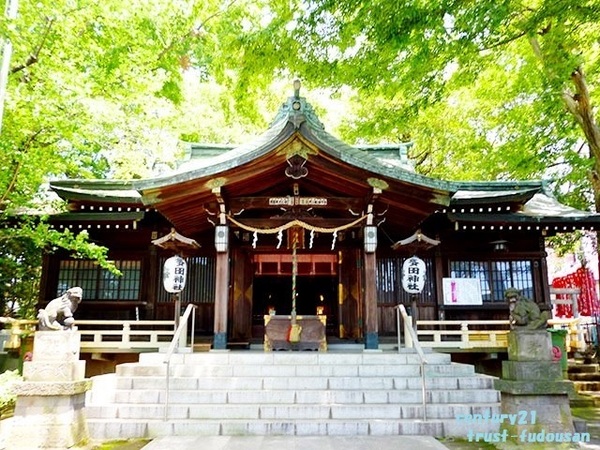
[(525, 313), (58, 314)]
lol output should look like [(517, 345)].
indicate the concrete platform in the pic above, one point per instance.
[(295, 443)]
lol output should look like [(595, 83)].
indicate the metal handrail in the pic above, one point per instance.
[(408, 329), (174, 342)]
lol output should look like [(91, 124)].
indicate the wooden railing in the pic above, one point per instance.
[(463, 334), (125, 334), (484, 334), (107, 335), (147, 335)]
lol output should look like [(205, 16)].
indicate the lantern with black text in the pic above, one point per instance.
[(174, 274), (413, 275)]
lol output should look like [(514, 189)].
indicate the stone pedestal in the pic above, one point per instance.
[(50, 407), (534, 394)]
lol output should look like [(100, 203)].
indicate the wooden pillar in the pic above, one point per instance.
[(370, 299), (544, 282), (439, 289), (152, 283), (241, 277), (370, 273), (222, 276), (221, 301), (350, 294)]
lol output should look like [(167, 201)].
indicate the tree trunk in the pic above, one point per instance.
[(579, 105)]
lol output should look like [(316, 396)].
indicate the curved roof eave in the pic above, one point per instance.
[(363, 160), (306, 123), (115, 191), (541, 208), (295, 116), (287, 122), (275, 135)]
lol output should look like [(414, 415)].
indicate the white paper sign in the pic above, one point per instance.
[(462, 291)]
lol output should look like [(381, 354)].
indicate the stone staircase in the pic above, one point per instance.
[(290, 393), (586, 380)]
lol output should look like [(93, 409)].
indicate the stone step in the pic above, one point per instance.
[(584, 399), (297, 383), (293, 370), (300, 393), (105, 387), (587, 386), (296, 370), (592, 395), (107, 429), (583, 368), (283, 358), (405, 396), (287, 412), (584, 376)]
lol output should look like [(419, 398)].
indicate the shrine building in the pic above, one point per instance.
[(299, 222)]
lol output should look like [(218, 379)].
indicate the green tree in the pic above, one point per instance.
[(491, 89), (500, 79), (96, 89)]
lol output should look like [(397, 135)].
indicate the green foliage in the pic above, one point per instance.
[(95, 90), (20, 267), (112, 88), (564, 243), (7, 381), (477, 85), (131, 444), (21, 249)]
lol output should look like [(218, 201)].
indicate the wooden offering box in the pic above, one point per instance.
[(312, 337)]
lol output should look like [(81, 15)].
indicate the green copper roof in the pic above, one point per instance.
[(109, 191), (296, 116)]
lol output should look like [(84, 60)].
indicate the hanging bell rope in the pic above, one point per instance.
[(295, 330), (294, 273)]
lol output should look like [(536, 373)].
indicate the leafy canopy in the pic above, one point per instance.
[(98, 89), (461, 79), (484, 89)]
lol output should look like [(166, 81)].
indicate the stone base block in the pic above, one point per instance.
[(529, 345), (53, 346), (53, 370), (533, 419), (48, 422), (532, 371), (534, 388), (51, 389)]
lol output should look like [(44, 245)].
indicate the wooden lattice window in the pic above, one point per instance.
[(496, 277), (98, 283)]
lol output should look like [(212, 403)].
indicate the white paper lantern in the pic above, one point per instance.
[(174, 274), (413, 275)]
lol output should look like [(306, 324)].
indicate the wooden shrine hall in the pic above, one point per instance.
[(300, 224)]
